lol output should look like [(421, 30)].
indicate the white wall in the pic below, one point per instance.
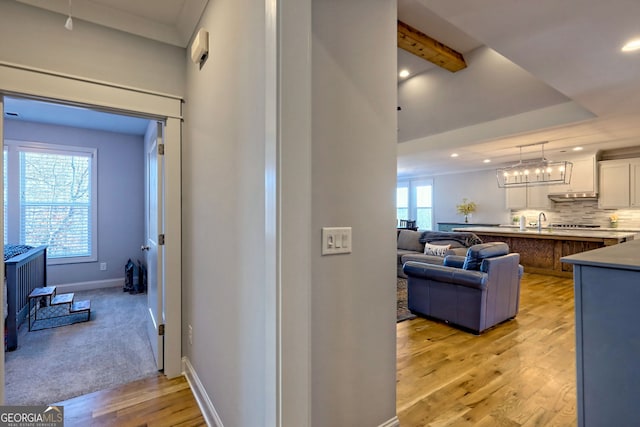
[(480, 187), (120, 196), (223, 212), (37, 38), (352, 296), (353, 184)]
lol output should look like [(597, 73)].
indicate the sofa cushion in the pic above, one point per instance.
[(476, 253), (438, 250), (456, 261), (402, 252), (410, 240)]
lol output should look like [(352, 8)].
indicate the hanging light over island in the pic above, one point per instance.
[(540, 171)]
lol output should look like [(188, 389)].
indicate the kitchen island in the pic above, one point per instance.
[(540, 251), (607, 291)]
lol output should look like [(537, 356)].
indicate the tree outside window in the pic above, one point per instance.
[(54, 189)]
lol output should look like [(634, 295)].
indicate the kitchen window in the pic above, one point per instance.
[(50, 199)]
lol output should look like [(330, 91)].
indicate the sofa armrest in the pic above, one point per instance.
[(427, 259), (440, 273), (456, 261)]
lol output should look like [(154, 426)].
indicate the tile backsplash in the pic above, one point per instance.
[(582, 212)]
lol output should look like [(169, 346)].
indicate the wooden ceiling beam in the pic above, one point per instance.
[(420, 44)]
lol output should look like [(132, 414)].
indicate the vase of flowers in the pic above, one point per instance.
[(613, 221), (466, 208)]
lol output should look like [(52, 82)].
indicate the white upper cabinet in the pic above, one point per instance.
[(537, 196), (619, 183), (534, 197), (516, 197), (583, 176)]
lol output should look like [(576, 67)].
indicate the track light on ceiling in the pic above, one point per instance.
[(534, 172), (69, 24)]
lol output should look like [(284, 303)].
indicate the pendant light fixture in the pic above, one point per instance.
[(69, 24), (534, 172)]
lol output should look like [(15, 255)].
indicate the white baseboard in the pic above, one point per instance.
[(393, 422), (206, 406), (88, 286)]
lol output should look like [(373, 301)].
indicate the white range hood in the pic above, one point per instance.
[(572, 196)]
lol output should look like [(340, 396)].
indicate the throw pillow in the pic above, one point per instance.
[(437, 250)]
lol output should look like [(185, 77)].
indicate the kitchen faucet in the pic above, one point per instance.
[(541, 216)]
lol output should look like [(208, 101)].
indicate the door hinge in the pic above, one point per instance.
[(161, 239), (161, 329), (161, 149)]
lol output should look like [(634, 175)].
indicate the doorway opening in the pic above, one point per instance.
[(121, 192)]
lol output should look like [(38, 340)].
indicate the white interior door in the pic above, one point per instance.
[(154, 246), (2, 296)]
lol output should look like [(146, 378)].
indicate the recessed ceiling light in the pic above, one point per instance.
[(631, 46), (486, 161), (577, 148), (454, 154), (404, 74)]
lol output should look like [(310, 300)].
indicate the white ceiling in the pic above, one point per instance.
[(543, 70), (546, 71), (29, 110), (168, 21)]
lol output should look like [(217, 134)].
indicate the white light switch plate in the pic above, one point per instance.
[(336, 240)]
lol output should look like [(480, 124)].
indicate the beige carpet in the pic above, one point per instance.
[(59, 363)]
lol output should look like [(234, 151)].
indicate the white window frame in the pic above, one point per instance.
[(412, 184), (13, 148)]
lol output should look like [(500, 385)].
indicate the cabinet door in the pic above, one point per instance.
[(516, 197), (635, 183), (583, 175), (614, 184), (537, 196)]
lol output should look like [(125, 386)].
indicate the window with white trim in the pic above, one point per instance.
[(50, 199), (414, 201)]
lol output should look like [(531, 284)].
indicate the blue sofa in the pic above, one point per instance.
[(411, 246), (475, 292)]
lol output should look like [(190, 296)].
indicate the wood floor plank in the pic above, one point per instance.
[(519, 373), (150, 402)]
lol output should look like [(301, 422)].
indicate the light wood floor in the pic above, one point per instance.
[(519, 373), (154, 401)]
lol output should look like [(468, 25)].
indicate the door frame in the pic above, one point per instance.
[(29, 82)]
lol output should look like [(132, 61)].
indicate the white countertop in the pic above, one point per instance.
[(533, 227), (605, 233)]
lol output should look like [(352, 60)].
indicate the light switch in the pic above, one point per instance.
[(336, 240)]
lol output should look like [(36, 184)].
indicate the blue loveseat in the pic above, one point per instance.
[(475, 292)]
